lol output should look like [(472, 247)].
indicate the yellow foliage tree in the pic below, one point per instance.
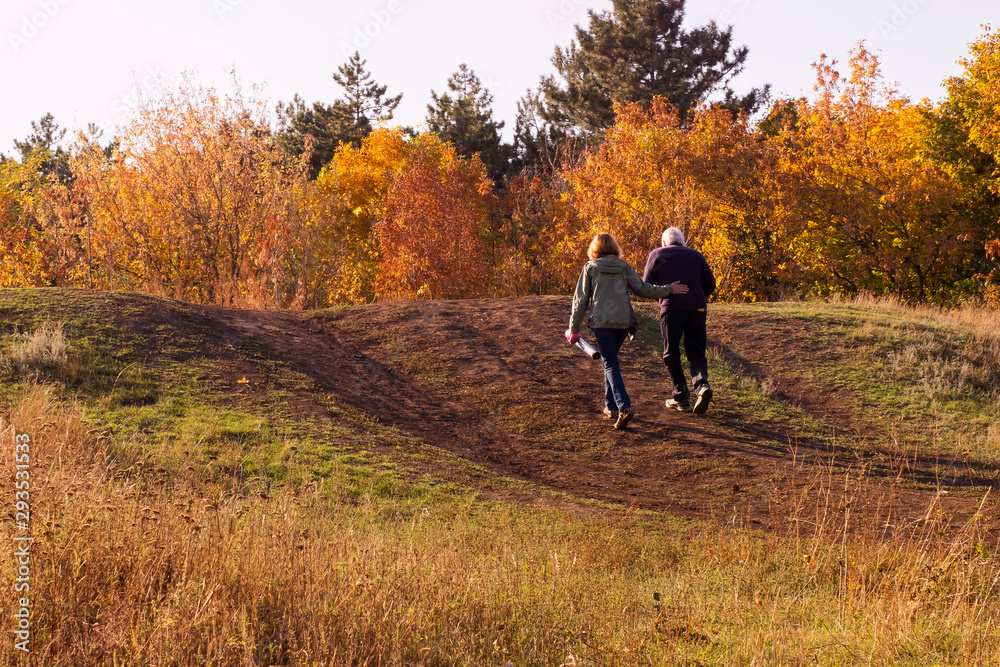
[(968, 140), (349, 199), (42, 229), (635, 184), (875, 214), (19, 239), (976, 94), (745, 231)]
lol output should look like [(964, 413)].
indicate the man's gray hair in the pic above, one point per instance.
[(673, 236)]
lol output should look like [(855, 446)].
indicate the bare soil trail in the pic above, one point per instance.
[(494, 382)]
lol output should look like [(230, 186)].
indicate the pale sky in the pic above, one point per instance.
[(83, 60)]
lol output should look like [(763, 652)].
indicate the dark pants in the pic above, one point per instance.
[(609, 341), (689, 325)]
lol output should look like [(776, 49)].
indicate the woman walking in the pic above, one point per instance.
[(603, 287)]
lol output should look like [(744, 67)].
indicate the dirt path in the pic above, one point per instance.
[(493, 381)]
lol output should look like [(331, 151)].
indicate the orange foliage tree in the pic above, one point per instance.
[(21, 249), (539, 247), (435, 228), (745, 231), (716, 179), (348, 201), (42, 230), (198, 202), (635, 183), (401, 218)]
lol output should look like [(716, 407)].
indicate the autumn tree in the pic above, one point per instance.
[(964, 138), (41, 220), (434, 233), (39, 216), (395, 206), (22, 243), (746, 232), (538, 247), (347, 203), (634, 53), (975, 94), (876, 214), (199, 202), (635, 184), (715, 178)]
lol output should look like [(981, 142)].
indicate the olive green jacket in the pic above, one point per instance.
[(603, 286)]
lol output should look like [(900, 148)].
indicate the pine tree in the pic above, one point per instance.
[(44, 140), (316, 126), (348, 120), (464, 117), (635, 52), (364, 104)]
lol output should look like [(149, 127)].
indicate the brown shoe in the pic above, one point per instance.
[(610, 414), (624, 417)]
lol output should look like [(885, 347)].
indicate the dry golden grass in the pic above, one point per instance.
[(130, 567), (45, 349), (983, 323)]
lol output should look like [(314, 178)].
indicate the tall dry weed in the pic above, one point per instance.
[(45, 349)]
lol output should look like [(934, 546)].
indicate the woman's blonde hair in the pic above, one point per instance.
[(604, 244)]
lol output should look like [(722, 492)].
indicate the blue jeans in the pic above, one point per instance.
[(609, 341)]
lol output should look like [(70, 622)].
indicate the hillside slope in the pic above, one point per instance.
[(795, 430)]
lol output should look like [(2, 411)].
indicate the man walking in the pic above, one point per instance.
[(683, 316)]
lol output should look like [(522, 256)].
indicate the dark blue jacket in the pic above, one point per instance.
[(674, 263)]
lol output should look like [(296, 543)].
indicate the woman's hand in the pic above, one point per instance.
[(678, 288), (572, 337)]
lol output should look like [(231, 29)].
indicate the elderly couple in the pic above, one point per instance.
[(676, 275)]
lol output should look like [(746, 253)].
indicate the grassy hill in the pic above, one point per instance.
[(432, 483)]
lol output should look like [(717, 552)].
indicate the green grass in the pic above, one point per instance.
[(162, 405), (906, 367)]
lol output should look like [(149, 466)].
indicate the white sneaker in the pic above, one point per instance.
[(674, 404), (703, 396)]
